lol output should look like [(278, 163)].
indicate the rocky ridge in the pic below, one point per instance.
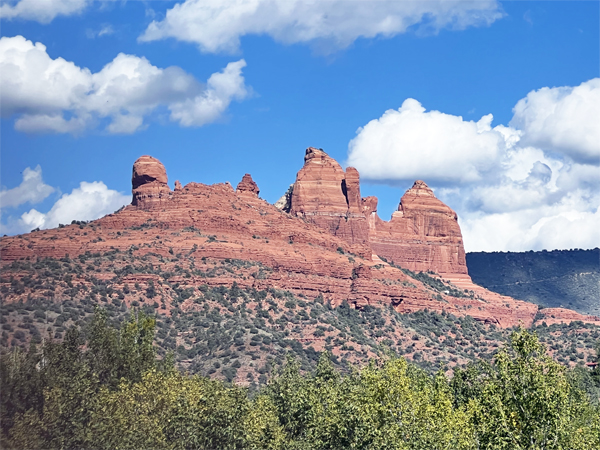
[(304, 252)]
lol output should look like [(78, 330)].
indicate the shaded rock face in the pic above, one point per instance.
[(149, 183), (327, 196), (247, 185), (423, 235), (285, 202)]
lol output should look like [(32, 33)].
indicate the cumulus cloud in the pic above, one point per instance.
[(87, 202), (43, 11), (436, 145), (55, 95), (531, 185), (564, 119), (570, 223), (218, 25), (31, 190)]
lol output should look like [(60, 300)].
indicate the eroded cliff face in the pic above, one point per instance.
[(327, 196), (300, 250), (247, 186), (149, 183), (423, 235)]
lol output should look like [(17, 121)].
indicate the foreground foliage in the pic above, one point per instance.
[(109, 391)]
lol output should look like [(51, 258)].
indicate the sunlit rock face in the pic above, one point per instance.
[(423, 235), (248, 186), (328, 196), (149, 182), (305, 250)]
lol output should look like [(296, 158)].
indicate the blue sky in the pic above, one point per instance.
[(317, 74)]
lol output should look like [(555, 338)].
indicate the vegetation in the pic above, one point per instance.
[(559, 278), (433, 282), (108, 390), (241, 334)]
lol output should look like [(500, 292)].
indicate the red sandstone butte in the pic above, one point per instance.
[(423, 235), (300, 248), (327, 196), (149, 182), (247, 185)]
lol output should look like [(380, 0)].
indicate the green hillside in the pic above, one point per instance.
[(559, 278)]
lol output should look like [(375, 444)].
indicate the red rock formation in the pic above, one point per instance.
[(247, 185), (216, 222), (329, 197), (423, 235), (149, 183)]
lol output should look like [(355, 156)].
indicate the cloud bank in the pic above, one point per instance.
[(43, 11), (55, 95), (531, 185), (217, 25), (89, 201)]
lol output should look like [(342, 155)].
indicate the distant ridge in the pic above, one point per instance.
[(557, 278)]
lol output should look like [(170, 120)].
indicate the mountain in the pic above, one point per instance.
[(235, 282), (558, 278)]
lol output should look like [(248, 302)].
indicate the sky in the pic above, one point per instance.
[(494, 104)]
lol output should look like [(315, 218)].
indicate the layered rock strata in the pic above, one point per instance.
[(423, 235), (215, 222), (247, 185), (149, 183), (327, 196)]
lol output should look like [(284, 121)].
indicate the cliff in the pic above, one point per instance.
[(423, 235), (304, 251)]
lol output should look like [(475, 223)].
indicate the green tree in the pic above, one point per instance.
[(526, 402)]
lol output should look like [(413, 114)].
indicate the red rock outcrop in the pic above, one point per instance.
[(423, 235), (200, 221), (149, 183), (327, 196), (247, 185)]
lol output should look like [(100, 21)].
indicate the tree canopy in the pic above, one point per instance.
[(104, 387)]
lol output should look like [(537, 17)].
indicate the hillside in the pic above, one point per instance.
[(558, 278), (235, 283)]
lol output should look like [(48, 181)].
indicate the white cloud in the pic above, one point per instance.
[(32, 189), (532, 185), (222, 87), (435, 145), (87, 202), (567, 224), (105, 30), (218, 25), (43, 11), (55, 95), (563, 119)]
